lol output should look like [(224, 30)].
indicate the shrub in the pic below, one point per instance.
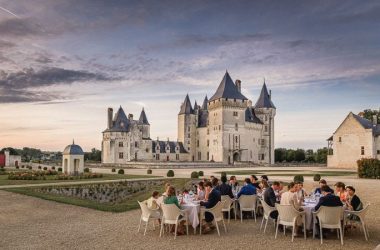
[(53, 168), (149, 171), (200, 173), (86, 170), (170, 173), (17, 167), (30, 167), (22, 166), (121, 171), (45, 168), (194, 175), (317, 177), (223, 174), (113, 170), (59, 169), (298, 178), (369, 168), (39, 167)]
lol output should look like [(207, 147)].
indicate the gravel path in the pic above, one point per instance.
[(32, 223)]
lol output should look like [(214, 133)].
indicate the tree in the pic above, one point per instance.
[(94, 155), (369, 113), (280, 154), (299, 155), (321, 155), (290, 155)]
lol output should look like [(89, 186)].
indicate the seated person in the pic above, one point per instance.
[(264, 185), (213, 199), (353, 202), (172, 199), (290, 198), (247, 189), (224, 188), (201, 191), (340, 190), (234, 184), (301, 192), (167, 185), (328, 199), (270, 197), (152, 201), (322, 183), (254, 179)]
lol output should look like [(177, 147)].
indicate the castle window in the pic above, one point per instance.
[(220, 127), (199, 156), (236, 127), (250, 152), (177, 157), (208, 143), (121, 155), (197, 143), (378, 152), (235, 113), (157, 156), (208, 131), (188, 149), (136, 144), (188, 135), (362, 150), (266, 118), (120, 144), (147, 150), (188, 129), (208, 156), (234, 100), (236, 139), (266, 128), (340, 139), (262, 157)]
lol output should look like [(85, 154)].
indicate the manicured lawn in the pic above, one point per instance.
[(51, 179), (128, 204), (290, 172)]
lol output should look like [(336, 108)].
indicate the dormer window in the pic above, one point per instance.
[(122, 124)]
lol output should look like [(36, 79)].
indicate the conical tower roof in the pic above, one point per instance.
[(227, 89), (264, 100), (204, 105), (143, 119), (186, 107)]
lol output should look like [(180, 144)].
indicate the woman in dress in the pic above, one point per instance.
[(353, 201), (201, 192), (172, 199), (340, 190)]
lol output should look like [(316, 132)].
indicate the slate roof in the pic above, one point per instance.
[(250, 116), (205, 102), (186, 107), (227, 89), (363, 121), (143, 119), (172, 145), (120, 122), (376, 130), (73, 149), (264, 100)]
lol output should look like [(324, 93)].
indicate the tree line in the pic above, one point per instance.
[(301, 155)]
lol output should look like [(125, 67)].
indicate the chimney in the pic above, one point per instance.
[(374, 120), (130, 117), (270, 94), (238, 85), (110, 115)]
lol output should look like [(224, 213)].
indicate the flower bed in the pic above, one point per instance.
[(76, 177), (31, 175)]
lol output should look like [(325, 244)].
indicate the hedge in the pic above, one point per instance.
[(200, 173), (317, 177), (86, 170), (194, 175), (170, 173), (369, 168), (121, 171), (149, 171), (298, 178)]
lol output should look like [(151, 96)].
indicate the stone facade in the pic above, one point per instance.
[(226, 128), (354, 139)]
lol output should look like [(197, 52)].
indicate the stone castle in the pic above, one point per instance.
[(226, 128)]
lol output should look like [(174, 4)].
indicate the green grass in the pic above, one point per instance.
[(128, 204), (50, 179), (290, 172)]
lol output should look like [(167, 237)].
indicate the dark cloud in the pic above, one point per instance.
[(21, 86), (20, 27), (6, 44)]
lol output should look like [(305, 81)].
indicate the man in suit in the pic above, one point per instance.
[(270, 197), (247, 189), (322, 183), (224, 188), (213, 199), (328, 199)]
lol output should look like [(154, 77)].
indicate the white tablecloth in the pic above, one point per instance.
[(308, 208), (192, 210)]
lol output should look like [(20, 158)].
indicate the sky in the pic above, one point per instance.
[(63, 63)]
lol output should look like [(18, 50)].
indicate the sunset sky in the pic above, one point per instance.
[(63, 63)]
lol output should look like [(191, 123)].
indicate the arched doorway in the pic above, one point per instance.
[(236, 156), (76, 166), (65, 163)]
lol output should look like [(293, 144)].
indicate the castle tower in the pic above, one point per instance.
[(266, 111), (187, 127), (226, 121), (144, 125)]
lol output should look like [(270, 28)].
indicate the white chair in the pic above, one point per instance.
[(247, 203), (268, 210), (361, 215), (330, 217), (217, 213), (287, 216), (172, 215), (147, 214), (228, 205)]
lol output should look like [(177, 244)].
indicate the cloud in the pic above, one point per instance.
[(22, 86), (20, 27), (6, 44)]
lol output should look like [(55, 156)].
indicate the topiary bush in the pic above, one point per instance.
[(59, 169), (170, 173), (86, 170), (53, 168), (149, 171), (17, 167), (45, 168), (194, 175), (298, 178), (200, 173), (121, 171), (39, 167), (369, 168), (113, 170), (317, 177)]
